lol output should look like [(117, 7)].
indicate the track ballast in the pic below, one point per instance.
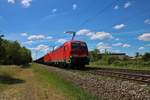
[(121, 74)]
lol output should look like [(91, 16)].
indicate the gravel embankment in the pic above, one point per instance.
[(106, 88)]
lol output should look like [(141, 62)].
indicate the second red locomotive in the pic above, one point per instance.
[(72, 53)]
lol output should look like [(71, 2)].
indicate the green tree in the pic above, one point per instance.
[(137, 54), (1, 51), (13, 53), (146, 57)]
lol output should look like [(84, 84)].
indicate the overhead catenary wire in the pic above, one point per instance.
[(120, 21), (126, 19), (103, 10), (98, 14)]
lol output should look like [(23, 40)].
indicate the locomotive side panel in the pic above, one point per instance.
[(67, 50)]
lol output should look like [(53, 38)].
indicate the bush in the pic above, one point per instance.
[(121, 63), (94, 55), (146, 64), (107, 59)]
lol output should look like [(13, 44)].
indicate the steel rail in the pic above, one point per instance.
[(125, 75)]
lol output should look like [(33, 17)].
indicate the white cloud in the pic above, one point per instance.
[(85, 32), (74, 6), (116, 7), (101, 36), (49, 38), (61, 41), (54, 10), (141, 48), (144, 37), (117, 44), (41, 47), (127, 4), (11, 1), (39, 37), (24, 34), (95, 35), (121, 45), (36, 37), (147, 21), (126, 45), (102, 47), (26, 3), (119, 26)]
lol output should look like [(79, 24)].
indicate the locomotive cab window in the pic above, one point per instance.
[(75, 45), (83, 45), (79, 45)]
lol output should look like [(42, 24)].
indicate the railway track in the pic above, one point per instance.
[(135, 75), (124, 75)]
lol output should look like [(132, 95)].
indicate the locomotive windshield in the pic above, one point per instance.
[(79, 45)]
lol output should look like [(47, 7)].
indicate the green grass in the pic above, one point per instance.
[(72, 91), (131, 67)]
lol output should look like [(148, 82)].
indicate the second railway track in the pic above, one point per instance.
[(124, 75)]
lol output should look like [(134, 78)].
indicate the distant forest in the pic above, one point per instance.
[(11, 52)]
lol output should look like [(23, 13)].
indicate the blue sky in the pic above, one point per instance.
[(115, 25)]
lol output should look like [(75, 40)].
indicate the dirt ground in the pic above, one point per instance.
[(30, 88)]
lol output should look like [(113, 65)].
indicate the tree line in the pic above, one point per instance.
[(11, 52), (107, 59)]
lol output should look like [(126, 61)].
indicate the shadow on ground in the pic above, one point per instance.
[(26, 66), (10, 80)]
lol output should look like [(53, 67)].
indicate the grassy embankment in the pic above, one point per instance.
[(130, 67), (72, 91), (37, 83)]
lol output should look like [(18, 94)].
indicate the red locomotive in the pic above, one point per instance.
[(72, 53)]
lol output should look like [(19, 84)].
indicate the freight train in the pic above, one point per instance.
[(72, 53)]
